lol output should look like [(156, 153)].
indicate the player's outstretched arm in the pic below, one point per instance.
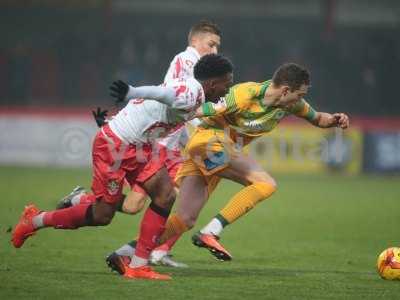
[(320, 119), (122, 92), (327, 120)]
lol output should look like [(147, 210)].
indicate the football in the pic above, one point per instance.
[(388, 264)]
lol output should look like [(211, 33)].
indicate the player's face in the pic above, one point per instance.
[(289, 98), (206, 43), (218, 87)]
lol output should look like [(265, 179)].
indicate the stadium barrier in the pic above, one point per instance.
[(63, 138), (46, 137), (296, 148)]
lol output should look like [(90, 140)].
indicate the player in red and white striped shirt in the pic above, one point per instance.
[(124, 150), (203, 38)]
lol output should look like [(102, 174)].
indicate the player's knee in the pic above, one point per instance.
[(102, 219), (271, 182), (264, 190), (130, 210), (133, 208), (265, 179)]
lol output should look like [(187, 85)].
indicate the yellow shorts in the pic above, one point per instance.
[(207, 152)]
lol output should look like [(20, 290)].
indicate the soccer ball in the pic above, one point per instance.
[(388, 264)]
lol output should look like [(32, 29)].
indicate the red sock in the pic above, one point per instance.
[(87, 199), (151, 228), (169, 243), (68, 218)]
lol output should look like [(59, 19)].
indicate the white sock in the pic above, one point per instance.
[(214, 227), (126, 250), (38, 220), (138, 262)]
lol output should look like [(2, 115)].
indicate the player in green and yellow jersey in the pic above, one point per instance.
[(248, 111)]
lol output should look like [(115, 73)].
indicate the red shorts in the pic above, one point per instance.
[(114, 161), (172, 161)]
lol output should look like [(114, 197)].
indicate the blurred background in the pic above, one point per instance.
[(337, 203), (57, 59)]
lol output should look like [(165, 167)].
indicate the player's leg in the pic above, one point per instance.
[(107, 188), (214, 154), (194, 187), (32, 219), (130, 204), (73, 198), (259, 185), (193, 194), (161, 255), (161, 191), (134, 201)]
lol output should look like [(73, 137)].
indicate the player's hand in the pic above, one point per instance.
[(342, 120), (100, 116), (119, 90)]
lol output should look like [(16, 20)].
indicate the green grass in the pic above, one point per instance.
[(317, 238)]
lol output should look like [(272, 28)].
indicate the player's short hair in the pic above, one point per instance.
[(204, 26), (292, 75), (211, 66)]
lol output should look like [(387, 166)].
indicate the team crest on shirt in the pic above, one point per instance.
[(218, 159), (112, 187)]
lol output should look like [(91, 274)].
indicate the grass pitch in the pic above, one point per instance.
[(318, 237)]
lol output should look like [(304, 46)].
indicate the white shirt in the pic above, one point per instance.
[(164, 109), (180, 67)]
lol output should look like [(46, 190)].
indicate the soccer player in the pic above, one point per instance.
[(122, 150), (203, 38), (250, 110)]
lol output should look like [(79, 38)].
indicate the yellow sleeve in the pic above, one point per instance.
[(304, 110), (238, 98)]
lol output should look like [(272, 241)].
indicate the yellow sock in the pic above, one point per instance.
[(174, 226), (245, 200)]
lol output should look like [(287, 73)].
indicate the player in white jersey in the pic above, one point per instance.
[(165, 108), (123, 150), (203, 38)]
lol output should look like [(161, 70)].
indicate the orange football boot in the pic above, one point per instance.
[(144, 272), (210, 242), (24, 228), (118, 263)]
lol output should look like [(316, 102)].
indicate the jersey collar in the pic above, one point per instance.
[(264, 86), (193, 51)]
